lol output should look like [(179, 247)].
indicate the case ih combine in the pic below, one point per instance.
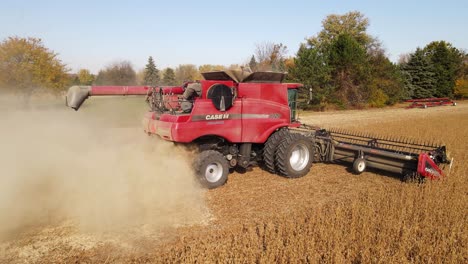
[(240, 120)]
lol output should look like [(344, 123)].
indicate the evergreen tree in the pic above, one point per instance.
[(422, 81), (151, 77), (169, 77), (446, 62), (350, 70), (253, 63), (311, 69), (408, 87)]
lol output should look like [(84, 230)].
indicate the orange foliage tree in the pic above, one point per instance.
[(461, 88), (27, 65)]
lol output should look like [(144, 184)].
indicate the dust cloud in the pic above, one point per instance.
[(58, 165)]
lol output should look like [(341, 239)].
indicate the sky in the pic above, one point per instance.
[(93, 34)]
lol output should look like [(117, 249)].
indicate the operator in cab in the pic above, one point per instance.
[(191, 91)]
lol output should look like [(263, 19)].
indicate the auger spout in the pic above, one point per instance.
[(76, 95)]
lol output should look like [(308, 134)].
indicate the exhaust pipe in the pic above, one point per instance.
[(76, 95)]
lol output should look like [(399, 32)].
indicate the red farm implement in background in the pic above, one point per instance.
[(239, 120), (430, 102)]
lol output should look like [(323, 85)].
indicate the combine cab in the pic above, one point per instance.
[(239, 120)]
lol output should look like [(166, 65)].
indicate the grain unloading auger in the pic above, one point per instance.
[(239, 120), (78, 94)]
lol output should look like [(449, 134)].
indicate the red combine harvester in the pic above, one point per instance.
[(429, 102), (240, 120)]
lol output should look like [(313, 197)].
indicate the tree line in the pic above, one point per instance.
[(347, 67), (342, 66)]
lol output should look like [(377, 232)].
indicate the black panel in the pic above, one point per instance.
[(221, 96), (217, 76), (268, 77)]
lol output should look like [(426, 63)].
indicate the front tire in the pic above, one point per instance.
[(211, 168), (294, 156)]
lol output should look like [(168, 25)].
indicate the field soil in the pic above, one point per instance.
[(90, 187)]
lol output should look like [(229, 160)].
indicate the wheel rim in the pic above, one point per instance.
[(361, 166), (299, 157), (214, 172)]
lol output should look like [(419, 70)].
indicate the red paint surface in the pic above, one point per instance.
[(258, 110), (429, 102), (132, 90), (428, 168)]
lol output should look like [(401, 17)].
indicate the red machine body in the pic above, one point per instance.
[(261, 104), (258, 110), (427, 167)]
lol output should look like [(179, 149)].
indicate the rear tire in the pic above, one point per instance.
[(211, 168), (270, 147), (294, 156)]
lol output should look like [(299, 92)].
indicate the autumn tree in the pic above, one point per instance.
[(85, 77), (118, 73), (270, 56), (354, 24), (461, 88), (169, 77), (461, 84), (140, 76), (211, 67), (346, 66), (27, 65), (235, 66), (385, 86), (186, 72), (151, 77)]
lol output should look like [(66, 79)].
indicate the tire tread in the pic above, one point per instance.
[(269, 150), (282, 156), (199, 164)]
